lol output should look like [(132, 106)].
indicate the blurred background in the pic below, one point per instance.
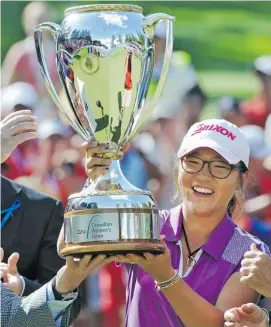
[(220, 68)]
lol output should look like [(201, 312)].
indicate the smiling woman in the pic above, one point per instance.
[(197, 278), (217, 182)]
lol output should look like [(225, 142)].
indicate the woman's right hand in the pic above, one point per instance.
[(96, 166)]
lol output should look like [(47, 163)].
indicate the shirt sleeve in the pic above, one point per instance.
[(57, 307), (23, 284), (163, 214)]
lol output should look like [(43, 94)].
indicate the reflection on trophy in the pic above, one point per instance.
[(105, 58)]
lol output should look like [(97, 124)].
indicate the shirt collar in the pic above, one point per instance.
[(219, 238), (215, 244), (172, 226)]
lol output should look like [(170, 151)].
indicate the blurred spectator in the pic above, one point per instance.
[(104, 298), (169, 125), (15, 97), (193, 105), (112, 286), (20, 63), (267, 131), (261, 177), (257, 109), (255, 226), (134, 168), (53, 142), (229, 109), (18, 96), (181, 76)]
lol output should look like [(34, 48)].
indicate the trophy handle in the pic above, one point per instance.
[(149, 24), (53, 29)]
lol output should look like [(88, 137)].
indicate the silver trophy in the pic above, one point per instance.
[(105, 59)]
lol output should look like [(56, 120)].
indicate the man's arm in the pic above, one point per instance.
[(32, 311), (49, 261), (42, 304), (36, 309), (30, 286)]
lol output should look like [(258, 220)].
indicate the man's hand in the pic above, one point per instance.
[(248, 315), (9, 273), (15, 129), (74, 272), (256, 271)]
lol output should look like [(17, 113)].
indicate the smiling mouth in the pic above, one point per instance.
[(202, 190)]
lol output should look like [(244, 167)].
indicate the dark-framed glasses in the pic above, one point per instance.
[(218, 169)]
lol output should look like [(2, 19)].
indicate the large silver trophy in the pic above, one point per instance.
[(105, 59)]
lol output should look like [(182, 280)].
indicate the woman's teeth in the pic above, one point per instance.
[(202, 190)]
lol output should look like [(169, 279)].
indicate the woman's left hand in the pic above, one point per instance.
[(158, 266)]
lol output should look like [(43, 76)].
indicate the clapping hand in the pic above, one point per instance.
[(256, 271), (248, 315), (9, 273)]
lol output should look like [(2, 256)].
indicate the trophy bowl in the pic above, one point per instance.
[(105, 59)]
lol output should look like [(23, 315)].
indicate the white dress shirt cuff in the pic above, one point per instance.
[(23, 285), (56, 306)]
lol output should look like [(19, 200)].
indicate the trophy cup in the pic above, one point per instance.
[(105, 59)]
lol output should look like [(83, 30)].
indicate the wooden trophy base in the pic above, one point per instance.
[(112, 248)]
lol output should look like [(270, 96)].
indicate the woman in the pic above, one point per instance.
[(197, 278)]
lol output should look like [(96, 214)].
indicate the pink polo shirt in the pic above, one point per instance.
[(218, 259)]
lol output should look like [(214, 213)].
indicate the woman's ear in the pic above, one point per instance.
[(244, 177), (242, 181)]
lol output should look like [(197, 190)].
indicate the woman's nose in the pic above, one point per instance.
[(205, 172)]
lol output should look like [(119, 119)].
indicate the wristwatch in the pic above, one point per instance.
[(267, 313), (63, 296)]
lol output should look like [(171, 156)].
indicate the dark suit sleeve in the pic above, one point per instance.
[(30, 286), (72, 312), (49, 262)]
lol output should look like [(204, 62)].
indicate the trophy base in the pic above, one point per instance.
[(111, 216), (96, 248)]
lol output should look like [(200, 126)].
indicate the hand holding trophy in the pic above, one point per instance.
[(105, 59)]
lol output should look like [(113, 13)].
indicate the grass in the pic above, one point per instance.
[(216, 84)]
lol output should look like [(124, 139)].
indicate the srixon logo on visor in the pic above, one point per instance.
[(215, 128)]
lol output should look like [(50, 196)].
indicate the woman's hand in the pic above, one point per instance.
[(96, 166), (248, 315), (158, 266)]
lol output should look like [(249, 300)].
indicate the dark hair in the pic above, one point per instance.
[(198, 92), (235, 205)]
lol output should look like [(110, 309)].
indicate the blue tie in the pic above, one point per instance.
[(9, 212)]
